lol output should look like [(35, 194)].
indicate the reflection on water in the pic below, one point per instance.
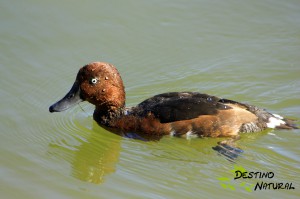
[(91, 159), (92, 167)]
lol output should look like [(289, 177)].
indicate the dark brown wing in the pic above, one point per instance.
[(175, 106)]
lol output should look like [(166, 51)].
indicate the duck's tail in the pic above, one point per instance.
[(273, 121), (265, 119), (287, 123)]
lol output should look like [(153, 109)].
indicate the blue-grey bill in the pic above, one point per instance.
[(70, 99)]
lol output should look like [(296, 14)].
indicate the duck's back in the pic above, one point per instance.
[(193, 113)]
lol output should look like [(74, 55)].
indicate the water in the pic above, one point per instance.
[(243, 50)]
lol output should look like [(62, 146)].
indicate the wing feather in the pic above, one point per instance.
[(175, 106)]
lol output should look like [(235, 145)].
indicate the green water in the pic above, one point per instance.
[(242, 50)]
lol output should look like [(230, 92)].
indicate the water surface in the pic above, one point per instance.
[(242, 50)]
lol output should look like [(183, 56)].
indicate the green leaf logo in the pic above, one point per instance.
[(228, 183)]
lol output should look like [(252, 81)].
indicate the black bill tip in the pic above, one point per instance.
[(52, 109)]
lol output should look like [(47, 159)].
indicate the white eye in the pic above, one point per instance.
[(93, 81)]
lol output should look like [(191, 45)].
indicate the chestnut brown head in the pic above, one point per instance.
[(98, 83)]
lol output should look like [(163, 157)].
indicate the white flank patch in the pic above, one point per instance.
[(126, 112), (277, 116), (190, 135), (172, 133), (273, 122)]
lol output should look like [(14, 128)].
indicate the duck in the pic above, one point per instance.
[(179, 114)]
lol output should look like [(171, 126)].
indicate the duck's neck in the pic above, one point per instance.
[(110, 105), (108, 116)]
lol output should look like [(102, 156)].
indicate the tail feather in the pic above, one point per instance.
[(289, 124), (272, 120), (265, 119), (278, 122)]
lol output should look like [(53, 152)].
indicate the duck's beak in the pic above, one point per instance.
[(71, 98)]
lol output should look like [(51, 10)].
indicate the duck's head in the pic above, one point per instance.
[(98, 83)]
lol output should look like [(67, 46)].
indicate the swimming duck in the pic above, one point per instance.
[(181, 114)]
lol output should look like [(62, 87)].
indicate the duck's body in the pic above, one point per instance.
[(176, 113)]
